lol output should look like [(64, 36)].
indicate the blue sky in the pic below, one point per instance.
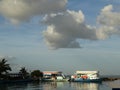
[(22, 40)]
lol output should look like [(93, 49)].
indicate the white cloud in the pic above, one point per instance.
[(109, 21), (22, 10), (64, 29), (108, 17)]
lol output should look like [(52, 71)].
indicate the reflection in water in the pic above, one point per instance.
[(3, 87), (85, 86), (14, 86), (54, 86), (35, 86), (113, 84), (72, 86)]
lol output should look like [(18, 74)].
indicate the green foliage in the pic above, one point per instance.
[(4, 67), (36, 73), (24, 72)]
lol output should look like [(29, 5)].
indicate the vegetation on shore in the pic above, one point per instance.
[(4, 68), (112, 78), (23, 73), (35, 74)]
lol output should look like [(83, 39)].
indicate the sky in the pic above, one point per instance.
[(61, 35)]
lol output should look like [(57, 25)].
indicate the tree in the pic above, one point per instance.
[(37, 74), (24, 72), (4, 67)]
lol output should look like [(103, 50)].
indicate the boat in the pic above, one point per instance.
[(86, 76), (54, 76), (15, 78)]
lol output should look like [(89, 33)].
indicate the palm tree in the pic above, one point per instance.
[(24, 72), (4, 67)]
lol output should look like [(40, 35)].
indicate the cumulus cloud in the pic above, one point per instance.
[(108, 17), (64, 30), (109, 21), (22, 10)]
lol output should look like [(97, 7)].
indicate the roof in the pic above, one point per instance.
[(51, 72), (87, 72)]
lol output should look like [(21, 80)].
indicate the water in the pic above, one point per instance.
[(55, 86)]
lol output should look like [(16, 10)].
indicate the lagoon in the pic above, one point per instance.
[(55, 86)]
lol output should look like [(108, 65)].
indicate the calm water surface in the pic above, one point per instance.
[(55, 86)]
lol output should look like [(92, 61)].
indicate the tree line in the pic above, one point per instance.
[(5, 69)]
